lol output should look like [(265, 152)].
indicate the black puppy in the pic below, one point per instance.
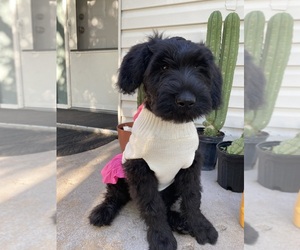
[(161, 160)]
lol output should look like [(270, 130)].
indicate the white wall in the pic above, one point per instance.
[(189, 20)]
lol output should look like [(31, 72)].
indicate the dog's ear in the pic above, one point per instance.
[(216, 85), (133, 67)]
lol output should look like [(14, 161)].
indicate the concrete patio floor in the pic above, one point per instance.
[(28, 201), (80, 188), (271, 213), (32, 189)]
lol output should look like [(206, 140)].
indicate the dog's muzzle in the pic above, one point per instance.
[(185, 100)]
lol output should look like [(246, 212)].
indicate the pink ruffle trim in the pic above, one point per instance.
[(113, 170)]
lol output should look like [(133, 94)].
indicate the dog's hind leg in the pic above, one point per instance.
[(143, 186), (117, 195), (188, 183)]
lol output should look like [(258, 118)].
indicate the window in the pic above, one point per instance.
[(97, 24), (43, 13)]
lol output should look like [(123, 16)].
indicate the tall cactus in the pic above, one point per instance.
[(273, 61), (272, 56), (214, 34), (213, 42), (226, 57), (254, 38), (254, 34)]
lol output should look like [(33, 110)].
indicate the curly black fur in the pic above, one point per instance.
[(173, 69), (181, 83)]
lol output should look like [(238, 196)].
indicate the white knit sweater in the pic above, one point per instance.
[(167, 147)]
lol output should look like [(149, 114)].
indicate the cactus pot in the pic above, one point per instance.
[(230, 169), (277, 171), (123, 136), (250, 148), (207, 147)]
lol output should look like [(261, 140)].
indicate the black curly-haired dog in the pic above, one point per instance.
[(161, 160)]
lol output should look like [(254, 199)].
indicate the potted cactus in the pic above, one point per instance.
[(224, 46), (231, 165), (265, 62), (270, 53), (231, 153), (279, 164)]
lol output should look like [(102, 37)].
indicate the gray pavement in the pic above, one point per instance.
[(28, 200), (86, 118), (41, 118), (48, 118), (28, 179), (80, 188), (24, 141), (270, 212)]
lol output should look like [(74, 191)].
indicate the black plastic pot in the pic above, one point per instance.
[(278, 171), (250, 148), (207, 147), (230, 169)]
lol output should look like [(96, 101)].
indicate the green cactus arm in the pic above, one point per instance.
[(254, 34), (236, 147), (140, 95), (213, 35), (288, 147), (229, 52), (213, 42), (274, 61)]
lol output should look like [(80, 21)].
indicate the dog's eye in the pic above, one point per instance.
[(164, 67)]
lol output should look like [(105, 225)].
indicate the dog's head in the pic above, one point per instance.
[(180, 78)]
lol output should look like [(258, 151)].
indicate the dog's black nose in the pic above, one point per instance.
[(185, 99)]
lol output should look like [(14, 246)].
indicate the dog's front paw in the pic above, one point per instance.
[(161, 240), (177, 222), (102, 215), (205, 235)]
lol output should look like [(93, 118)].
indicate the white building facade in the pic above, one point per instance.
[(66, 53)]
